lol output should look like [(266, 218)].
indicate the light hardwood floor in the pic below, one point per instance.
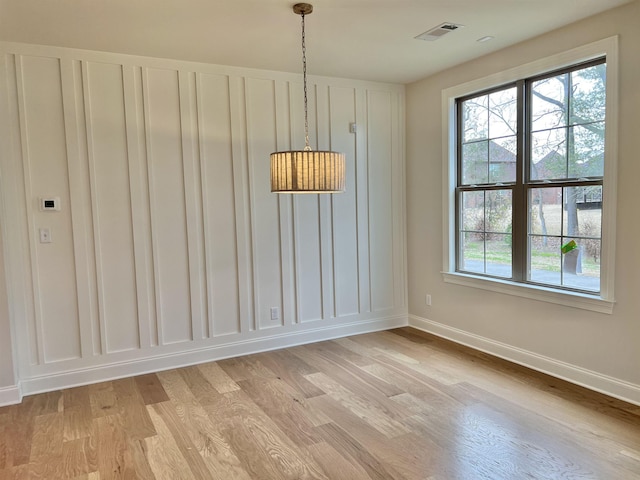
[(388, 405)]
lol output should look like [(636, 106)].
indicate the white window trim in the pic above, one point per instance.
[(602, 303)]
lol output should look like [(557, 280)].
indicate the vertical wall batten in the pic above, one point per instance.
[(140, 213), (362, 200), (326, 246), (239, 140), (13, 221), (35, 326), (219, 203), (80, 205), (380, 205), (94, 210), (168, 206), (255, 270), (344, 219), (202, 135), (198, 320), (398, 201), (283, 142), (152, 223), (261, 132)]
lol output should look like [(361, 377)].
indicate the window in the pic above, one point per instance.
[(530, 182)]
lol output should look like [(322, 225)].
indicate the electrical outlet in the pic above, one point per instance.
[(275, 313), (428, 300)]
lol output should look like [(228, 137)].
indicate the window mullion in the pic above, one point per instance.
[(520, 211)]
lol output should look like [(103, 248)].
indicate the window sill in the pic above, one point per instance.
[(534, 292)]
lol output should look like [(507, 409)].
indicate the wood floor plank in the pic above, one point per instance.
[(76, 457), (77, 423), (151, 389), (265, 451), (47, 435), (218, 378), (283, 407), (291, 369), (202, 431), (77, 416), (20, 431), (403, 454), (46, 467), (336, 465), (3, 448), (114, 459), (103, 400), (336, 359), (243, 368), (199, 385), (165, 456), (377, 416), (139, 460), (135, 416), (197, 464), (347, 444)]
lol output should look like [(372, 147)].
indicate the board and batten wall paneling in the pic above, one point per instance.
[(168, 215), (380, 136), (169, 246), (306, 212), (140, 206), (323, 129), (218, 198), (111, 201), (45, 170), (193, 205), (343, 211), (261, 140)]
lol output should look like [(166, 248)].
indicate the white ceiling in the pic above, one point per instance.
[(364, 39)]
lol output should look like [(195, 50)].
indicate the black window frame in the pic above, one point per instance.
[(522, 185)]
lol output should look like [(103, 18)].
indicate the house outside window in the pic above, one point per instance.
[(531, 184)]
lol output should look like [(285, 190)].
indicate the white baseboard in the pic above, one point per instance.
[(611, 386), (156, 363), (10, 395)]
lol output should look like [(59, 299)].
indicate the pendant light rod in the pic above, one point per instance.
[(303, 9)]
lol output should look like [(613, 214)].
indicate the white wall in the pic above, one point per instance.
[(598, 350), (169, 247)]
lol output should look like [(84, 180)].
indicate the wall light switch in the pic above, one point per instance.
[(275, 313), (45, 235)]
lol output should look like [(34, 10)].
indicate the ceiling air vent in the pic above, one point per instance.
[(439, 31)]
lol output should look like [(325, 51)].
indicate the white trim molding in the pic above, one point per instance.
[(598, 382), (10, 395)]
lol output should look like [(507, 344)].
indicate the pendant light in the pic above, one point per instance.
[(307, 171)]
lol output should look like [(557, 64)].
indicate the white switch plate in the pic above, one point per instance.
[(275, 313), (428, 299), (45, 235)]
